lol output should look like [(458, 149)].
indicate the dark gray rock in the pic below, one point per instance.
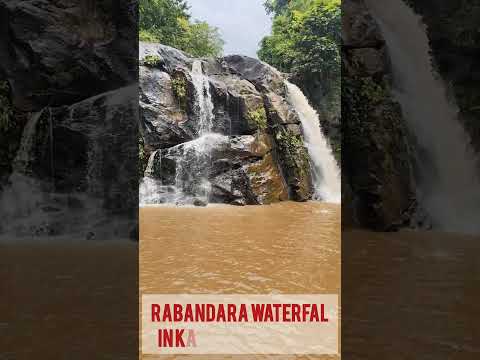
[(88, 147), (262, 75), (170, 58), (377, 165), (240, 169), (250, 110), (60, 52), (163, 122)]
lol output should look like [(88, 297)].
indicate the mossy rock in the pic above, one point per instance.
[(266, 181), (142, 157), (295, 163), (257, 118), (180, 89), (152, 61)]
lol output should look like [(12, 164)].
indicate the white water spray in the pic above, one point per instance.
[(326, 173), (192, 160), (24, 154), (448, 185), (204, 99)]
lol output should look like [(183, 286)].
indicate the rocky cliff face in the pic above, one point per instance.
[(68, 106), (377, 183), (452, 27), (378, 186), (255, 147)]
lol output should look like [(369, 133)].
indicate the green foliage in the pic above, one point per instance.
[(305, 38), (142, 158), (168, 22), (359, 97), (147, 36), (290, 140), (152, 61), (292, 147), (159, 19), (305, 42), (200, 39), (294, 155), (258, 117), (179, 87), (276, 6)]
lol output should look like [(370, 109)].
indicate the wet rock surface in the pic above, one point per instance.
[(452, 28), (250, 158), (66, 70), (377, 167)]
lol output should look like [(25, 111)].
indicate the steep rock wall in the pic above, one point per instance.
[(377, 182), (452, 27)]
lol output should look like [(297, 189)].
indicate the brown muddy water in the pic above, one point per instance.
[(405, 295), (410, 295), (283, 248), (68, 300)]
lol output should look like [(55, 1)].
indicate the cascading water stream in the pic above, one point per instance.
[(21, 201), (447, 179), (194, 163), (326, 173), (24, 154), (192, 159), (204, 99), (21, 198)]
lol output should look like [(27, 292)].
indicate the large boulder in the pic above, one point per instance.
[(262, 75), (165, 57), (60, 52), (240, 169), (67, 70), (86, 147), (163, 121), (238, 106)]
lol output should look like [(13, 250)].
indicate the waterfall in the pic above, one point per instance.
[(204, 99), (448, 185), (24, 154), (192, 159), (21, 200), (151, 162), (326, 173), (194, 163)]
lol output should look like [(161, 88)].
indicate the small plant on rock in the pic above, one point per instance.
[(152, 61), (258, 117), (179, 87)]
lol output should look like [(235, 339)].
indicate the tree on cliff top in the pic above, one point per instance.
[(305, 41), (276, 6), (305, 37), (168, 22)]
